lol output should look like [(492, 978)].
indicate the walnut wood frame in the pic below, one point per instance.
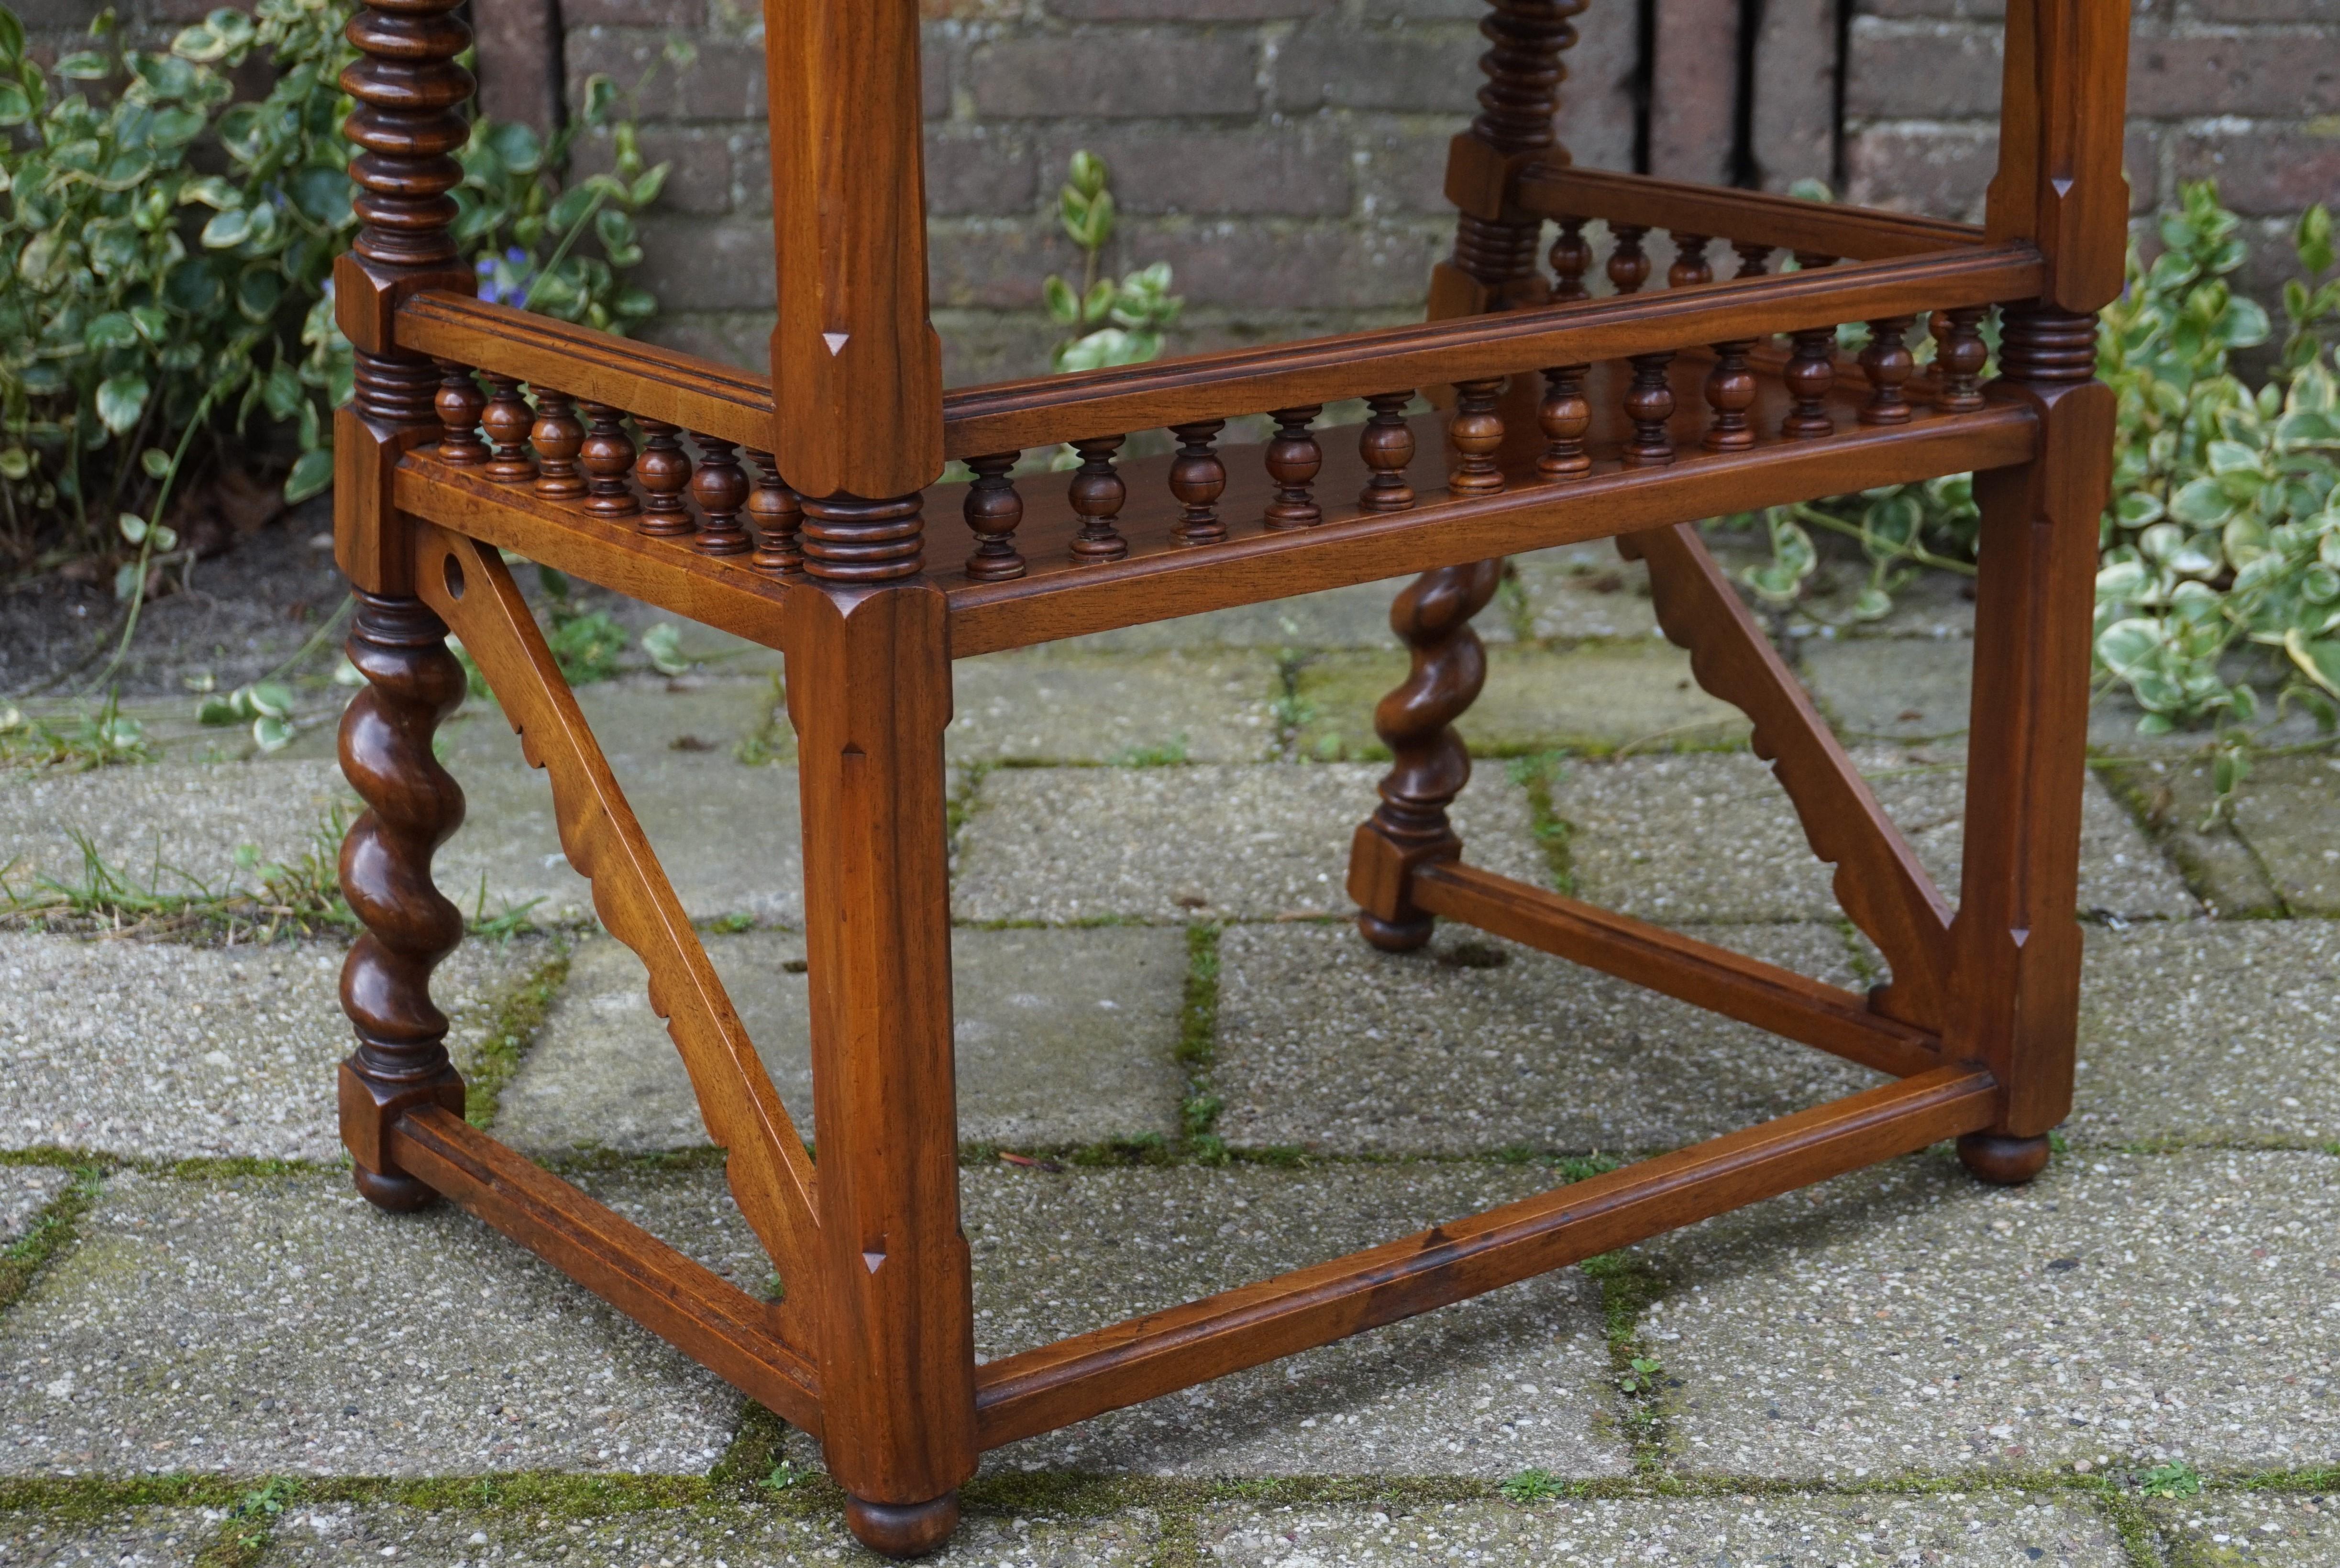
[(1572, 418)]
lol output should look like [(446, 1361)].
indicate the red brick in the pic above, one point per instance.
[(983, 346), (1298, 171), (1253, 266), (973, 10), (1421, 70), (1595, 121), (2264, 170), (674, 13), (2141, 162), (2325, 13), (742, 338), (997, 265), (693, 264), (938, 47), (1939, 171), (1403, 170), (1794, 115), (1149, 74), (1947, 10), (980, 171), (2288, 71), (726, 82), (1184, 10), (517, 59), (1922, 70), (1693, 111)]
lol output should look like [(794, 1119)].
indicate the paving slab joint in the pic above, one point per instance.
[(1645, 1389), (48, 1235), (2190, 848), (518, 1014), (1554, 834)]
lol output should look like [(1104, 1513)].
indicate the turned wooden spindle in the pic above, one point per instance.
[(408, 125), (1564, 415), (607, 458), (1293, 459), (1754, 260), (1387, 444), (1690, 266), (720, 489), (664, 470), (1730, 394), (1198, 478), (777, 516), (459, 403), (1650, 403), (412, 806), (1571, 258), (859, 539), (557, 435), (1809, 374), (1628, 263), (1096, 494), (992, 509), (1428, 761), (1516, 106), (1476, 434), (1887, 362), (507, 419), (1959, 355)]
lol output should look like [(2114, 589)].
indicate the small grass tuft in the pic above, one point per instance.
[(1532, 1485)]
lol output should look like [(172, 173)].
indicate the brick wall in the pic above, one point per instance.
[(2247, 92)]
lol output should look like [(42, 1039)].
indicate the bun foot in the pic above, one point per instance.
[(1395, 936), (396, 1193), (903, 1529), (2003, 1161)]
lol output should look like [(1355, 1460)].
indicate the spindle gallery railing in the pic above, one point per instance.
[(1744, 371)]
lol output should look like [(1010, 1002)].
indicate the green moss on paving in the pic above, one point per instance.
[(519, 1013), (51, 1232)]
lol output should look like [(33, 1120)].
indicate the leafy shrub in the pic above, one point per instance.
[(1113, 323), (150, 312), (2224, 534)]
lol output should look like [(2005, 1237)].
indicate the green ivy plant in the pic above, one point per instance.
[(1111, 323), (166, 260), (2223, 535)]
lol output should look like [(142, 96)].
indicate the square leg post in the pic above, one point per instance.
[(869, 682), (2015, 941)]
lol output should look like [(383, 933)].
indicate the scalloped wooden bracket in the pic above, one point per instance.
[(771, 1176), (1877, 879)]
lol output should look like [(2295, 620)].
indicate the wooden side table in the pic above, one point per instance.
[(796, 515)]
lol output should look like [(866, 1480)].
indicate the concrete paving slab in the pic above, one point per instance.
[(1354, 617), (159, 1051), (635, 714), (138, 1538), (2171, 797), (1712, 838), (283, 1325), (1065, 844), (344, 1535), (2262, 1529), (727, 834), (1906, 1319), (2225, 1033), (1593, 697), (1514, 1378), (1475, 1044), (171, 828), (1959, 1530), (1049, 706), (1576, 592), (1891, 687), (2288, 811), (24, 1192), (1063, 1038)]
